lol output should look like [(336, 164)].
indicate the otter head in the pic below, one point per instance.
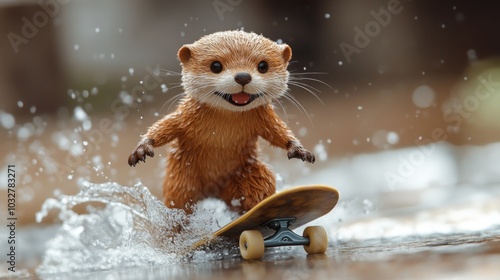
[(235, 70)]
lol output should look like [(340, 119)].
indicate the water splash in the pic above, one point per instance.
[(123, 227)]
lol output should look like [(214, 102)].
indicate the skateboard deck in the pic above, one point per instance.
[(292, 207)]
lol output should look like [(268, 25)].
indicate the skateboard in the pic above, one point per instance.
[(270, 223)]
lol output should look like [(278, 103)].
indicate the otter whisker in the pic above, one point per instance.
[(306, 73), (300, 76), (297, 104), (271, 99), (207, 95), (169, 72), (305, 85), (309, 79), (172, 100), (282, 108), (212, 95), (306, 88)]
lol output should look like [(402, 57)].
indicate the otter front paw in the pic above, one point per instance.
[(301, 153), (143, 149)]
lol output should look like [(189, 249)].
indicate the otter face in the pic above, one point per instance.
[(235, 70)]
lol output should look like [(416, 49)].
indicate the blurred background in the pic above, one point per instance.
[(413, 85)]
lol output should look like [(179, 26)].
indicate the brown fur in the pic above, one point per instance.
[(214, 149)]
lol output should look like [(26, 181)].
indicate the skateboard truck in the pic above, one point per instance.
[(252, 243), (284, 235)]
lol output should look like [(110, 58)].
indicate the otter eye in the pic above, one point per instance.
[(216, 67), (262, 67)]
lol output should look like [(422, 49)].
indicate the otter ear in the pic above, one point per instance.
[(184, 54), (286, 52)]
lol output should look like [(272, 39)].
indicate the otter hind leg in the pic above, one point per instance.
[(182, 192), (248, 187)]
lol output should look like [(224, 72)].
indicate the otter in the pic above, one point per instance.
[(231, 79)]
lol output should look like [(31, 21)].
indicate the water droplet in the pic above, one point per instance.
[(392, 138), (164, 88), (20, 104), (80, 114), (423, 96), (76, 47), (25, 132), (131, 71), (7, 120), (97, 30), (303, 131), (327, 15), (340, 62), (382, 68), (86, 125), (320, 152), (472, 55)]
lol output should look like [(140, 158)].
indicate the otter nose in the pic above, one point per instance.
[(242, 78)]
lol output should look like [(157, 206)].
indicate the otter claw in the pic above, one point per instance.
[(302, 154), (143, 149)]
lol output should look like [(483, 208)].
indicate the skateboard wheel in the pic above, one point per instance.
[(251, 245), (318, 240)]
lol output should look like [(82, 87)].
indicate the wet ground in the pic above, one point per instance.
[(453, 256)]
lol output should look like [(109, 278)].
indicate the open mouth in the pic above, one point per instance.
[(239, 99)]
